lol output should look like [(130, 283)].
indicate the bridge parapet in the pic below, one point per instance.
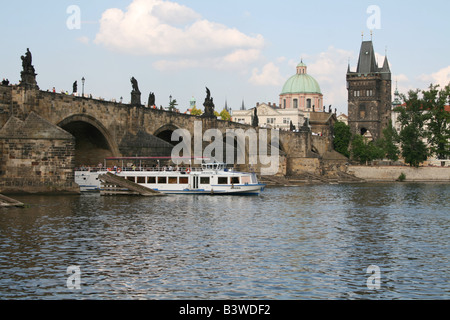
[(124, 128)]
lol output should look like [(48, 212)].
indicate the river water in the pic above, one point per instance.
[(307, 242)]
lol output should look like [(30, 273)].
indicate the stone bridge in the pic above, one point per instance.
[(111, 129)]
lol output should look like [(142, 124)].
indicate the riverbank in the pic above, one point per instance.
[(392, 173)]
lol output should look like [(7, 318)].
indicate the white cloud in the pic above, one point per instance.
[(329, 68), (158, 27), (441, 77), (269, 76), (237, 60)]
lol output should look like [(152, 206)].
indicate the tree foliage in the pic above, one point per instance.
[(173, 104), (195, 111), (438, 120), (225, 115), (365, 151), (413, 131), (342, 138), (388, 143)]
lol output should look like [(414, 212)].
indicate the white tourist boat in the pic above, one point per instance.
[(210, 178)]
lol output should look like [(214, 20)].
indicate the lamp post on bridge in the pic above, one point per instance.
[(82, 90)]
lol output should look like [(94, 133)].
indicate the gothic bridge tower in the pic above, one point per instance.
[(369, 94)]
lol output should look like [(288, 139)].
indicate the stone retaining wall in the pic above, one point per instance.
[(392, 173)]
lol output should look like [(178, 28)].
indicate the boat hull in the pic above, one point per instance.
[(89, 182)]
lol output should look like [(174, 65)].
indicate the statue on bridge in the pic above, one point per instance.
[(255, 119), (27, 60), (151, 100), (135, 93), (75, 87), (134, 84), (28, 74), (209, 105)]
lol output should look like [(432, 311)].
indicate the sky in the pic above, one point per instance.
[(243, 51)]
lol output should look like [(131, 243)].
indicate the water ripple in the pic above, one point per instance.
[(311, 242)]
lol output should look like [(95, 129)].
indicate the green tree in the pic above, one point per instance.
[(172, 105), (438, 120), (342, 138), (225, 115), (389, 142), (412, 121), (196, 112), (365, 151)]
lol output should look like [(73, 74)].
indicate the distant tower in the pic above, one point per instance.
[(395, 114), (243, 105), (397, 101), (369, 94), (192, 103)]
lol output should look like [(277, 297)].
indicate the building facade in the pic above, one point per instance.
[(300, 97), (369, 94), (271, 116)]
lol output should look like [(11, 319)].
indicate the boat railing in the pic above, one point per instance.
[(140, 169)]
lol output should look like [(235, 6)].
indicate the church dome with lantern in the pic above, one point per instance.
[(301, 91), (301, 82)]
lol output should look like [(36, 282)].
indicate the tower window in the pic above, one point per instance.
[(295, 103), (362, 110), (308, 103)]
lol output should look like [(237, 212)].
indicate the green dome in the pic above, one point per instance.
[(301, 83)]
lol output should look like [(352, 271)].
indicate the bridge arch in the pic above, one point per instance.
[(93, 142), (165, 133)]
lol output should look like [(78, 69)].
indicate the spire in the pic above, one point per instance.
[(396, 101), (243, 106), (386, 66), (367, 62)]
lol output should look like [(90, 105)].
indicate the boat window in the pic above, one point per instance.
[(184, 180), (140, 179), (235, 180), (162, 179), (204, 180), (222, 180), (151, 180), (132, 179), (173, 180), (245, 180)]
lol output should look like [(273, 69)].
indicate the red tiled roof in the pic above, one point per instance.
[(447, 108)]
